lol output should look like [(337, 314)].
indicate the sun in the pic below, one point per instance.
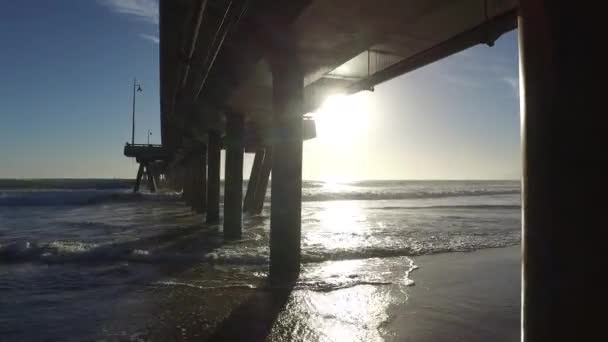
[(342, 120)]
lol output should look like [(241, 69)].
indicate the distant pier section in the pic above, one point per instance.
[(152, 160)]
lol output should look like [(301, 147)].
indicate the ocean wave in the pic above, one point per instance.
[(320, 277), (78, 197), (387, 195), (260, 255), (77, 251), (92, 197), (459, 206), (80, 252)]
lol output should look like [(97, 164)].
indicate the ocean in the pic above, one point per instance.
[(90, 260)]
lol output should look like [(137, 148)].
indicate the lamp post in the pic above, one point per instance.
[(149, 134), (136, 87)]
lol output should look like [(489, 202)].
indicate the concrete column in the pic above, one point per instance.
[(564, 171), (140, 172), (151, 178), (213, 183), (180, 177), (170, 179), (175, 178), (286, 190), (187, 181), (260, 191), (233, 179), (199, 178), (192, 180), (203, 176), (156, 173), (254, 180)]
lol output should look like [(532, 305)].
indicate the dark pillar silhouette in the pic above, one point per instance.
[(140, 172), (151, 178), (203, 172), (564, 171), (213, 183), (233, 180), (187, 176), (261, 188), (254, 180), (199, 177), (286, 189), (155, 171)]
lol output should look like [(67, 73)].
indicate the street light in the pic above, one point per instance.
[(149, 134), (136, 87)]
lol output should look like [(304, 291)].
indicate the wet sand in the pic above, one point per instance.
[(473, 296), (462, 297)]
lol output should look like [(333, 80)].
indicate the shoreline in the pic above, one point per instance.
[(461, 296), (456, 296)]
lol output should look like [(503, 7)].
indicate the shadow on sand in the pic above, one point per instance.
[(253, 319)]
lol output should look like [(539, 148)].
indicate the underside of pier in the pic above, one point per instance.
[(242, 75), (246, 73)]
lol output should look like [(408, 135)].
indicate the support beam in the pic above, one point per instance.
[(286, 190), (140, 173), (150, 177), (213, 184), (199, 178), (203, 176), (254, 179), (192, 181), (187, 181), (565, 168), (233, 180), (178, 178), (171, 177), (260, 193), (156, 173), (487, 33)]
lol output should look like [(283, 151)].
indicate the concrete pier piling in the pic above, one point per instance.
[(154, 172), (262, 186), (151, 177), (199, 179), (213, 173), (564, 174), (140, 173), (286, 188), (254, 180), (188, 181), (233, 180), (147, 170)]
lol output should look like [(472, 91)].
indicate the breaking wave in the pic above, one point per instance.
[(78, 197), (91, 197), (383, 195), (84, 252)]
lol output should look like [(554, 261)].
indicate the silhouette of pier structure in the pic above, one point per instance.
[(227, 66)]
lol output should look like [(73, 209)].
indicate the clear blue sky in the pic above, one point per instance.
[(67, 67)]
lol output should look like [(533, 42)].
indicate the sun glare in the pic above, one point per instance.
[(341, 120)]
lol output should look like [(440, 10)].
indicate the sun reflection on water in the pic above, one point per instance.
[(342, 294), (341, 225), (347, 300)]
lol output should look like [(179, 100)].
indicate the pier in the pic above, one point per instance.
[(242, 75)]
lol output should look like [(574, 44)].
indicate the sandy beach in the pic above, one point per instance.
[(472, 296), (462, 297)]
